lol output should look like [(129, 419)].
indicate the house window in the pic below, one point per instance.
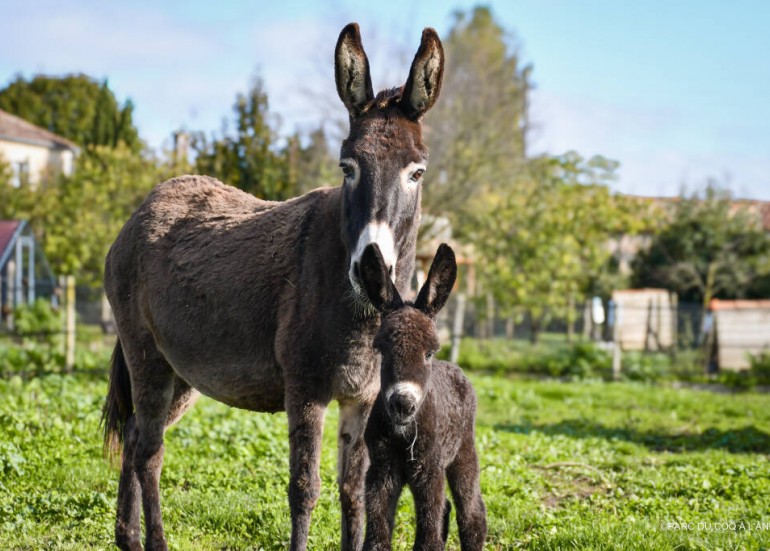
[(20, 174)]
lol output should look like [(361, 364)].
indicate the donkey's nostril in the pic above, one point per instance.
[(390, 271), (356, 271)]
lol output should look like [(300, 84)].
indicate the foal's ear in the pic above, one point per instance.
[(351, 71), (441, 278), (376, 282), (424, 83)]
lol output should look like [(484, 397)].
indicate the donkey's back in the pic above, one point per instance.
[(199, 272)]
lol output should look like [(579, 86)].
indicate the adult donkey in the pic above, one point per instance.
[(258, 304)]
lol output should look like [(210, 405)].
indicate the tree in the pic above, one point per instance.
[(477, 131), (543, 242), (249, 158), (710, 247), (76, 107), (76, 218), (312, 165)]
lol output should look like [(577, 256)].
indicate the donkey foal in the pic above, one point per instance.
[(422, 425)]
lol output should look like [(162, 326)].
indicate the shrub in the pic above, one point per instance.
[(39, 321), (641, 366), (760, 367)]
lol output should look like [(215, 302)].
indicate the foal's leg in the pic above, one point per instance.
[(429, 504), (352, 462), (306, 419), (384, 484), (463, 477)]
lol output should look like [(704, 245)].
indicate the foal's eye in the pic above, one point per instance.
[(428, 356), (417, 174)]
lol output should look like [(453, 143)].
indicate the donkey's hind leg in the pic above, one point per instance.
[(152, 390), (128, 529)]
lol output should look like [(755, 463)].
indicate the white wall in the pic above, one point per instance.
[(40, 159)]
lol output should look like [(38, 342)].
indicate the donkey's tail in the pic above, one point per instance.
[(118, 406)]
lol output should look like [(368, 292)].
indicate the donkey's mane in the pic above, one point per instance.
[(384, 99)]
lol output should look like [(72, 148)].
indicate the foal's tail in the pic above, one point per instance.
[(118, 406)]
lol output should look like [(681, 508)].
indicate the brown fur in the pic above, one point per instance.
[(251, 303), (422, 441)]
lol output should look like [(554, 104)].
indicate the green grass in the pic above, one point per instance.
[(565, 466)]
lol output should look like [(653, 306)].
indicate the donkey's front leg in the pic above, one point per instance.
[(306, 419), (352, 462)]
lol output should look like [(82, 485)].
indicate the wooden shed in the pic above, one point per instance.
[(739, 329), (644, 319)]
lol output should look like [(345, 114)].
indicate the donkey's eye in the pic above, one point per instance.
[(417, 174), (347, 170)]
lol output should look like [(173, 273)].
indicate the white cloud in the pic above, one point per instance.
[(648, 144)]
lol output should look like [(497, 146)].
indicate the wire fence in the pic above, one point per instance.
[(81, 318)]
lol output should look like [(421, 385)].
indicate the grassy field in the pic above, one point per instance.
[(565, 466)]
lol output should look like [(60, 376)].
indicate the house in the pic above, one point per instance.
[(24, 271), (33, 152)]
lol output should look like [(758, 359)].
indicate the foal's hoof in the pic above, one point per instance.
[(156, 545), (129, 545)]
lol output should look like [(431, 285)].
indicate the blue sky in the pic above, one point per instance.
[(677, 91)]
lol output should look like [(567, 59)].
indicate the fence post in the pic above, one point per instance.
[(674, 303), (457, 328), (490, 316), (510, 327), (616, 348), (69, 323)]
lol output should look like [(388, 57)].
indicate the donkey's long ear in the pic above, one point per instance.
[(424, 83), (441, 278), (351, 71), (376, 281)]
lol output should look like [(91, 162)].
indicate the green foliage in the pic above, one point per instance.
[(564, 466), (645, 366), (553, 357), (76, 107), (311, 165), (40, 319), (757, 374), (36, 348), (478, 126), (543, 241), (760, 367), (76, 218), (249, 156), (31, 358), (708, 249), (580, 360)]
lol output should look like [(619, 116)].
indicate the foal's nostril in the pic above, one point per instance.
[(356, 271), (390, 271), (403, 406)]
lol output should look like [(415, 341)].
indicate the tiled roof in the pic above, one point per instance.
[(16, 129), (7, 231), (718, 304)]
